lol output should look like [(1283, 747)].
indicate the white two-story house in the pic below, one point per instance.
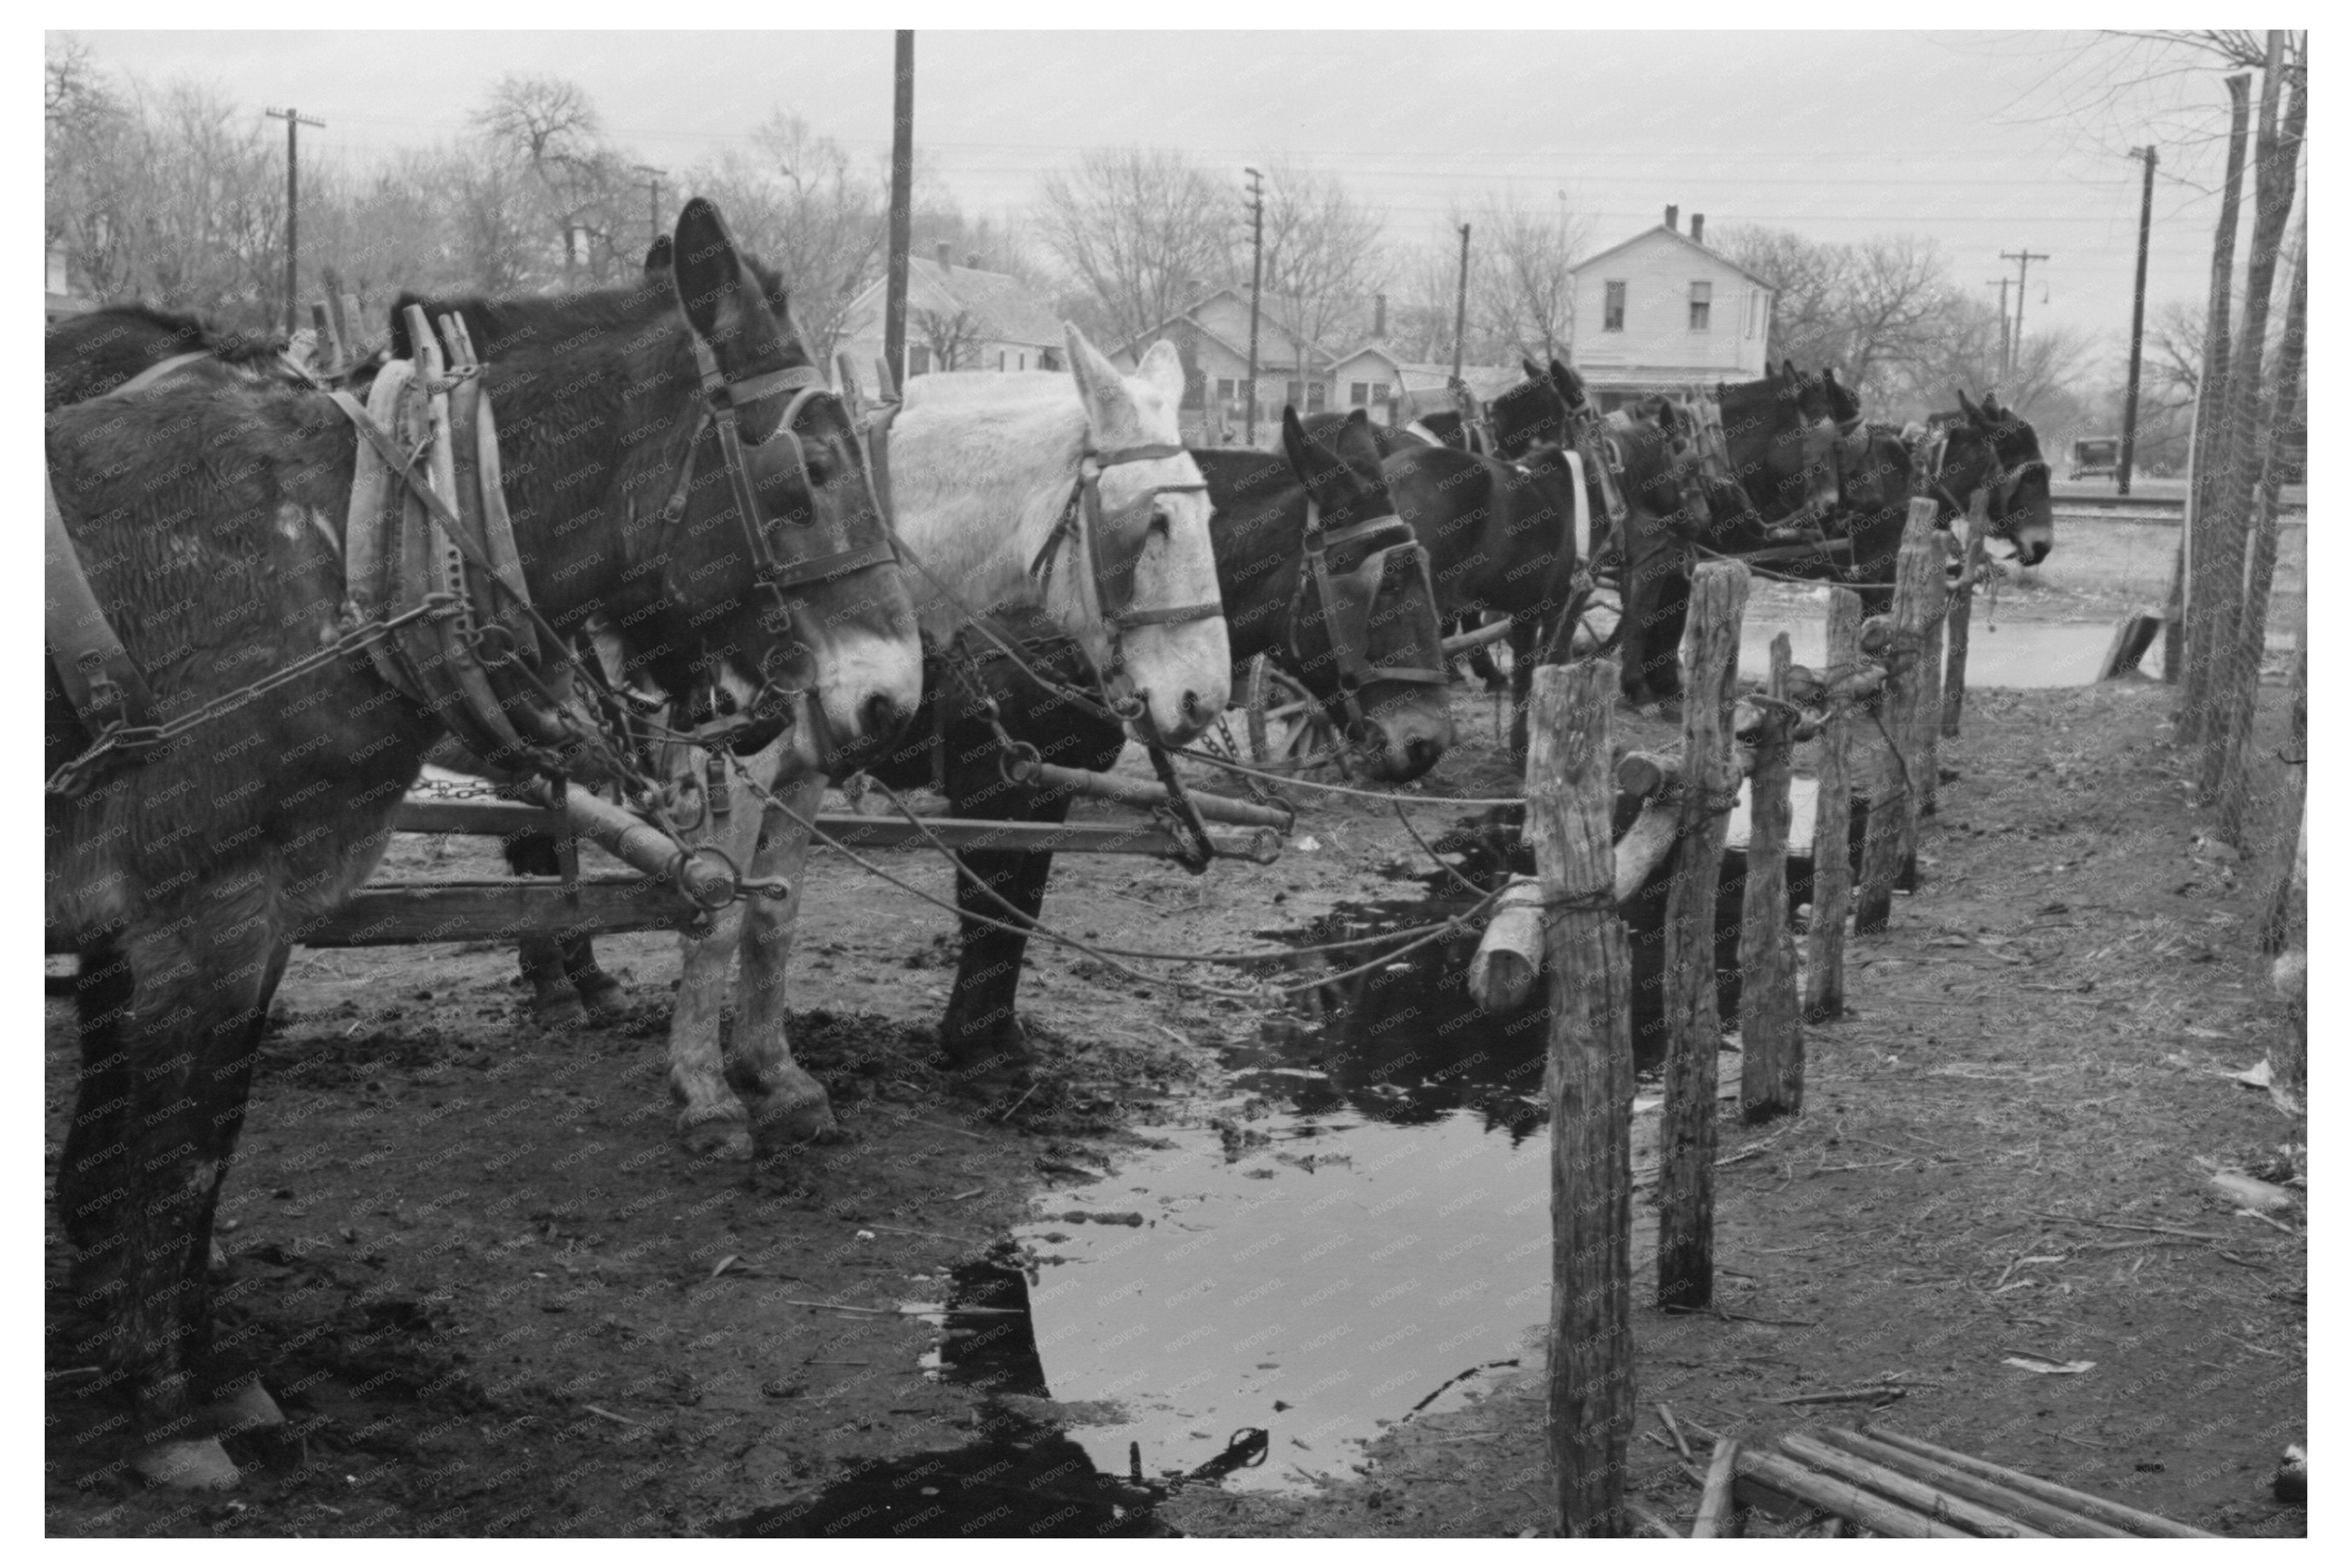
[(1662, 313)]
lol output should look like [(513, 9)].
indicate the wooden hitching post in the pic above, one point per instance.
[(1833, 810), (1894, 803), (1694, 1029), (1956, 663), (1571, 798), (1925, 742), (1771, 1041)]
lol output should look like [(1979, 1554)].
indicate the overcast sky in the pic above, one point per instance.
[(1985, 141)]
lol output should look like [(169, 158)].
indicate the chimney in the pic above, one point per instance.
[(1699, 228), (1379, 317), (946, 263), (971, 260), (1672, 213)]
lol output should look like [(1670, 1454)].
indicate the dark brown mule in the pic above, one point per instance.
[(98, 351), (1258, 532), (1500, 535), (1983, 446), (1781, 439), (1655, 444), (205, 519)]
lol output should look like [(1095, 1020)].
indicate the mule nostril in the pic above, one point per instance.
[(883, 718), (1422, 753), (1195, 709)]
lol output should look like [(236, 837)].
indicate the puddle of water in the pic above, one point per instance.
[(2015, 654), (1318, 1276)]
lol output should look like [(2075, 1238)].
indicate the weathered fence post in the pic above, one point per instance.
[(1927, 741), (1956, 663), (1832, 813), (1894, 800), (1693, 1029), (1771, 1042), (1571, 798)]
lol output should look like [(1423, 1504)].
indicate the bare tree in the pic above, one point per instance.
[(1323, 258), (799, 203), (1810, 281), (951, 339), (1136, 226), (1522, 282), (550, 127)]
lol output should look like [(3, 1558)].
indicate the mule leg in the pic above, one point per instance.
[(554, 1002), (982, 1042), (170, 1016), (599, 992), (711, 1122), (787, 1104), (1526, 636)]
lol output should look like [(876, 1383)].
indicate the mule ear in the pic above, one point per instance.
[(1788, 371), (1099, 387), (1295, 445), (1535, 373), (1359, 416), (1976, 415), (658, 256), (715, 290), (1163, 367)]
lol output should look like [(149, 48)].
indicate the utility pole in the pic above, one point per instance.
[(2139, 312), (2025, 258), (293, 117), (1257, 284), (1461, 304), (902, 196), (653, 177), (2002, 283)]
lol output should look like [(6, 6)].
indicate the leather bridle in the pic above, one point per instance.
[(1110, 544), (1348, 600)]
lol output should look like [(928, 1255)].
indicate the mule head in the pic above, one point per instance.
[(1530, 414), (1375, 597), (1165, 660), (1994, 450), (832, 619), (1664, 475)]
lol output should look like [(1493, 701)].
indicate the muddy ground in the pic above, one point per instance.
[(493, 1298)]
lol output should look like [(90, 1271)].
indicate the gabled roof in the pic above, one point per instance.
[(1680, 238), (1190, 316), (1004, 309)]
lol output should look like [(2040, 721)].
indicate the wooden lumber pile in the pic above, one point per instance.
[(1883, 1482)]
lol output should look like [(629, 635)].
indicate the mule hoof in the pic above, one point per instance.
[(727, 1139), (559, 1012), (603, 999), (189, 1465), (803, 1122), (248, 1409)]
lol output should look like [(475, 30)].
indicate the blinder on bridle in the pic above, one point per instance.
[(1111, 543), (1347, 601), (819, 551)]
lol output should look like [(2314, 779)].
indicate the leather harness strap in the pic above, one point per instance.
[(100, 677), (157, 371), (1114, 554)]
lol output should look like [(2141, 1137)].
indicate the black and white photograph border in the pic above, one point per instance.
[(1308, 776)]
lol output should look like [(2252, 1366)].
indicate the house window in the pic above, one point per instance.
[(1024, 361), (1318, 393), (1358, 394), (1613, 308), (918, 360), (999, 358), (1380, 391), (1225, 393), (1290, 394), (1702, 300)]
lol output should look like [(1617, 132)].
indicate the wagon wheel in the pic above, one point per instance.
[(1286, 724)]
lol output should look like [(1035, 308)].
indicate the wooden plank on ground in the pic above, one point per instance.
[(394, 914)]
